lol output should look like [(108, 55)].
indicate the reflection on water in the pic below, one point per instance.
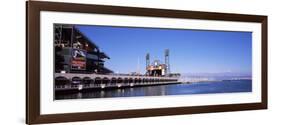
[(161, 90)]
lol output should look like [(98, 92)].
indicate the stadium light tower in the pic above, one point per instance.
[(167, 62), (147, 60)]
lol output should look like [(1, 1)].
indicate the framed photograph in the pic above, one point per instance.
[(93, 62)]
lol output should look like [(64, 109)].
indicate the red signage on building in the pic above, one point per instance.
[(78, 61)]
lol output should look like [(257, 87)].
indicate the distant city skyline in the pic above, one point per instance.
[(191, 51)]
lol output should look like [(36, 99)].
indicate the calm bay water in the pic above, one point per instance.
[(162, 90)]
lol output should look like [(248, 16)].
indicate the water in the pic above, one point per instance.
[(162, 90)]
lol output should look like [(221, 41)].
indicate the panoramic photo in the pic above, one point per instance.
[(92, 61)]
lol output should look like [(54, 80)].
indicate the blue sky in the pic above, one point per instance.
[(191, 51)]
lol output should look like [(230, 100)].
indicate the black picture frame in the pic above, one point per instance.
[(33, 9)]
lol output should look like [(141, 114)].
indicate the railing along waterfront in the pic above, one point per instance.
[(73, 81)]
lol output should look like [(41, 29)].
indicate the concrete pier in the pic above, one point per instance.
[(79, 82)]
